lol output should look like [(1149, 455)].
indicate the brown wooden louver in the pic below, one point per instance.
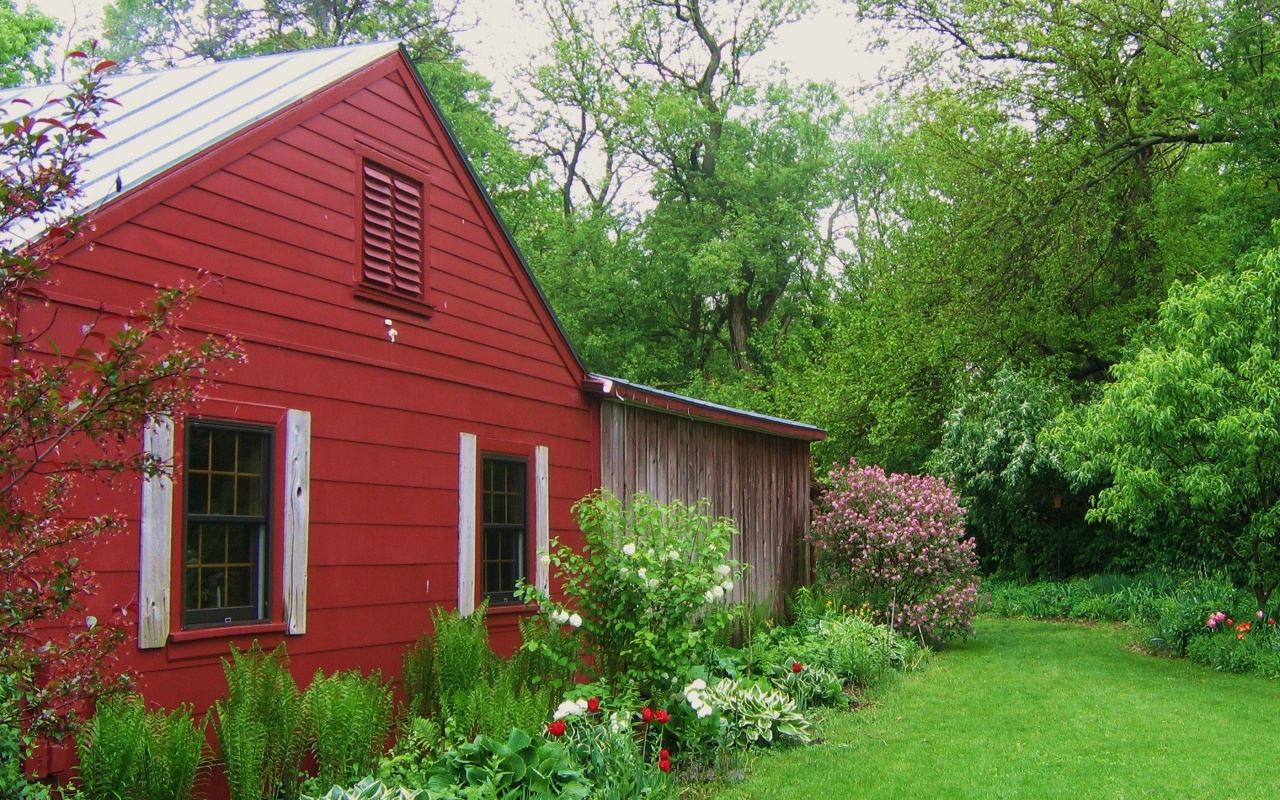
[(392, 231)]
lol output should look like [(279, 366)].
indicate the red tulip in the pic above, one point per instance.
[(557, 728), (664, 764), (646, 714), (796, 666), (661, 716), (664, 754), (593, 704)]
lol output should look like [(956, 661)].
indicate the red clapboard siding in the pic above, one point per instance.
[(277, 223)]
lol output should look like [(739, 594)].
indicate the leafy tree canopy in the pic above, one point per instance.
[(1189, 433)]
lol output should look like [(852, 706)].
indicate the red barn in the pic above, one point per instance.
[(411, 423)]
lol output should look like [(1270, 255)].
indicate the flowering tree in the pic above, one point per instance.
[(648, 583), (72, 411), (898, 543)]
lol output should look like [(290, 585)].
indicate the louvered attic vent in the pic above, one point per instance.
[(392, 231)]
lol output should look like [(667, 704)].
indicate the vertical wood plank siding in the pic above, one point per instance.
[(759, 480)]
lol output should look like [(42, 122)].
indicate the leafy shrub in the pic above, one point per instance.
[(15, 744), (258, 725), (346, 719), (755, 716), (897, 541), (648, 584), (1179, 618), (171, 753), (617, 764)]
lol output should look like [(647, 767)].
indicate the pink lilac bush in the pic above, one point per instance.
[(898, 543)]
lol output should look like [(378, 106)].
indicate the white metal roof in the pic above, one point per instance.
[(166, 117)]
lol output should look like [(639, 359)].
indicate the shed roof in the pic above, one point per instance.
[(167, 117), (623, 391)]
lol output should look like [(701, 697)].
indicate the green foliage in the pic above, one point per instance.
[(648, 583), (258, 725), (346, 719), (15, 745), (1018, 507), (128, 753), (369, 789), (417, 747), (23, 34), (809, 685), (614, 761), (109, 747), (454, 676), (1188, 435), (755, 716), (490, 767)]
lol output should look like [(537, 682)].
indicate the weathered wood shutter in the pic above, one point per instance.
[(297, 518), (392, 231), (542, 515), (156, 550), (467, 453)]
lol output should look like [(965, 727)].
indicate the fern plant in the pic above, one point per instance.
[(171, 755), (258, 725), (347, 720), (109, 747)]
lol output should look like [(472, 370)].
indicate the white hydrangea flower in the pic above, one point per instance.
[(724, 570), (642, 573), (710, 596), (559, 616), (653, 583), (618, 722), (718, 591), (575, 621), (629, 549), (728, 586), (544, 559), (705, 711), (673, 555)]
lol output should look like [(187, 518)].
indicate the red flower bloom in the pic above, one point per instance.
[(1270, 621), (593, 704), (664, 754), (664, 764), (1231, 623), (557, 728), (661, 716), (646, 714), (796, 666)]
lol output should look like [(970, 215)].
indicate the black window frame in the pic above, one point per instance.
[(502, 595), (260, 573)]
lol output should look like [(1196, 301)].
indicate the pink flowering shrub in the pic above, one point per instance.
[(897, 542)]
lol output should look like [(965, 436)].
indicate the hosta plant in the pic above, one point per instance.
[(756, 716), (369, 789)]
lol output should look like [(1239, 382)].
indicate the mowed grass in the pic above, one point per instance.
[(1042, 710)]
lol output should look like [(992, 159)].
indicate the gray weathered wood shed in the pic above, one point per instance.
[(753, 468)]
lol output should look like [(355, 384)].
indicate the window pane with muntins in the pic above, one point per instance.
[(226, 532), (504, 507)]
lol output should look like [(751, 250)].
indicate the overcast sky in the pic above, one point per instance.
[(827, 45)]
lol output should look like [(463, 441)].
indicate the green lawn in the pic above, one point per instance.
[(1037, 709)]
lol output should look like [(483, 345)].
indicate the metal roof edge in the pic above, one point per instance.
[(682, 405)]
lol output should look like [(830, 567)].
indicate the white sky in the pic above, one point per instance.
[(827, 45)]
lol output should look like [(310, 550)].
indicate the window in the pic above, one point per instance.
[(505, 524), (226, 523), (392, 231)]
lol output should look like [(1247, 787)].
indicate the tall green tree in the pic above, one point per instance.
[(1189, 434), (708, 186), (23, 35)]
